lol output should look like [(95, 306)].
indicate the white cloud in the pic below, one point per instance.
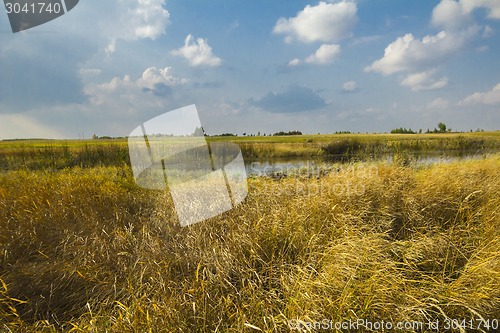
[(147, 20), (197, 52), (438, 103), (409, 54), (450, 14), (155, 80), (424, 81), (492, 7), (491, 97), (111, 47), (325, 22), (294, 62), (325, 54), (419, 57), (349, 86), (153, 75), (137, 19)]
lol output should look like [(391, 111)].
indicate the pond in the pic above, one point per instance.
[(317, 165)]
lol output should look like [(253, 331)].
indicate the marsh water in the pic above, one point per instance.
[(267, 167)]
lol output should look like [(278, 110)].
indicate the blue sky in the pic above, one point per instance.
[(315, 66)]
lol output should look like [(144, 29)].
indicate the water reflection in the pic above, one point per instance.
[(315, 166)]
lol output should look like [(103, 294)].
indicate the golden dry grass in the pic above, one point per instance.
[(86, 250)]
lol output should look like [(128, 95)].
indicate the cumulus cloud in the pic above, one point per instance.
[(424, 81), (293, 98), (325, 54), (325, 22), (197, 52), (350, 86), (408, 53), (137, 19), (153, 75), (148, 19), (419, 57), (450, 14), (491, 97), (156, 80)]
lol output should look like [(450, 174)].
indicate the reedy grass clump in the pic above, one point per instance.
[(87, 250), (58, 157)]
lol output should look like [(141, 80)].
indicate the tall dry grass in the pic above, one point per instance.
[(86, 250)]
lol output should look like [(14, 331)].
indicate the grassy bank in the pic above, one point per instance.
[(364, 145), (56, 155), (85, 249)]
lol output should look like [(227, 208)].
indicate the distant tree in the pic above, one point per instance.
[(442, 127), (420, 131), (402, 130), (244, 133)]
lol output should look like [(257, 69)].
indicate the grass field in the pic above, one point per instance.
[(84, 249), (60, 154)]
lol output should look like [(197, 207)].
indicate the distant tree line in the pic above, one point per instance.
[(288, 133), (105, 137), (199, 131), (441, 128), (402, 130)]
